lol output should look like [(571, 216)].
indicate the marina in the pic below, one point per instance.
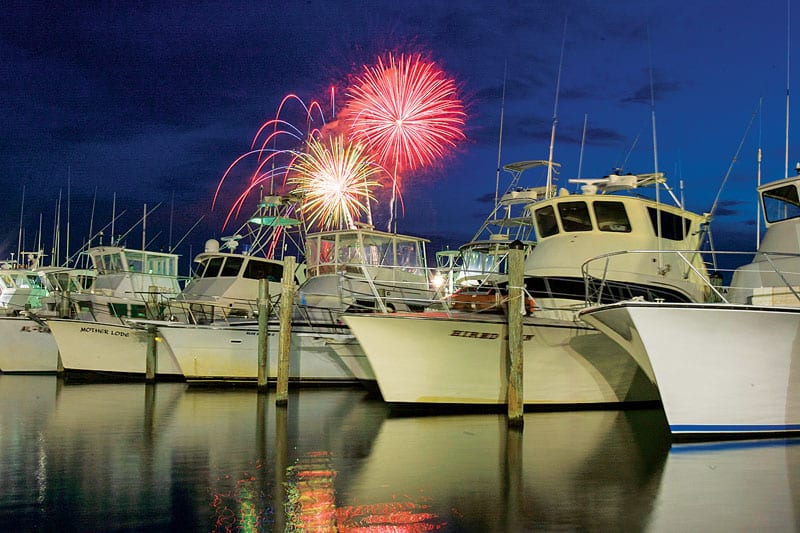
[(386, 279)]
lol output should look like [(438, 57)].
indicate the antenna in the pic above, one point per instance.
[(113, 216), (583, 141), (187, 234), (655, 147), (500, 141), (39, 241), (171, 213), (758, 181), (788, 35), (69, 184), (555, 115), (91, 222), (21, 210)]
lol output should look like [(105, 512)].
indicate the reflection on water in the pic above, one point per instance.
[(166, 456)]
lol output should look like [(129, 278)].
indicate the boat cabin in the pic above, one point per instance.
[(364, 268), (226, 284), (573, 228), (389, 254), (774, 274), (20, 289)]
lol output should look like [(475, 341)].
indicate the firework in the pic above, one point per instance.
[(334, 177), (273, 148), (406, 112)]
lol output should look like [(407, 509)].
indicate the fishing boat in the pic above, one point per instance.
[(29, 346), (729, 365), (443, 356), (130, 283), (356, 269)]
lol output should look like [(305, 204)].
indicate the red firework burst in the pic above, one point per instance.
[(406, 111)]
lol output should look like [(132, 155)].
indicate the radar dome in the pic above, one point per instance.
[(212, 246)]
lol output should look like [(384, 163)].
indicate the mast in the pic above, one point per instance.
[(547, 193)]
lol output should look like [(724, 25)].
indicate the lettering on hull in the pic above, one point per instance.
[(104, 331), (35, 329), (481, 335)]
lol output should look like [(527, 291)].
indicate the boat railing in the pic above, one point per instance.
[(771, 278), (402, 288), (433, 296)]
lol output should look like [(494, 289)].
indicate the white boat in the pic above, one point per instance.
[(230, 353), (350, 269), (360, 270), (461, 358), (37, 294), (21, 289), (728, 366), (129, 284)]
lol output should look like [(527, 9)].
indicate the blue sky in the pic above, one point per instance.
[(152, 101)]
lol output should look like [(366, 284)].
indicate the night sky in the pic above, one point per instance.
[(152, 101)]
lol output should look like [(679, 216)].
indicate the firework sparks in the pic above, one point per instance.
[(335, 179), (406, 112)]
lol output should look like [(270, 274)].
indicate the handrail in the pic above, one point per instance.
[(761, 263)]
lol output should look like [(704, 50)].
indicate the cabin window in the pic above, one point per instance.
[(673, 227), (546, 221), (108, 263), (136, 262), (611, 216), (213, 266), (781, 203), (408, 255), (263, 270), (349, 248), (118, 310), (574, 216), (232, 267)]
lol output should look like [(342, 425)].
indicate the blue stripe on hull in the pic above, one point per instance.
[(727, 428)]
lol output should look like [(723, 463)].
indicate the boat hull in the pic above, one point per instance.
[(428, 359), (28, 347), (119, 350), (720, 369), (209, 353)]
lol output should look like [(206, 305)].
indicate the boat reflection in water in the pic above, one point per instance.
[(736, 486), (174, 457)]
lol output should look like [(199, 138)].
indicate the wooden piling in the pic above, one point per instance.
[(285, 339), (263, 334), (152, 353), (516, 279)]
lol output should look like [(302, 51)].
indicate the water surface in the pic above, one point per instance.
[(169, 456)]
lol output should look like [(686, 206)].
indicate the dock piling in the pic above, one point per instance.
[(285, 339), (516, 279), (263, 334)]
